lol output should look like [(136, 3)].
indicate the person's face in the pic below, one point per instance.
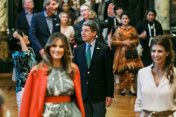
[(84, 11), (51, 8), (87, 35), (159, 54), (28, 4), (57, 50), (64, 18), (150, 16), (125, 20), (119, 11), (26, 40), (65, 7)]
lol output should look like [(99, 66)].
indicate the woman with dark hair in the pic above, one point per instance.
[(118, 9), (156, 91), (148, 28), (23, 60), (54, 83), (126, 59)]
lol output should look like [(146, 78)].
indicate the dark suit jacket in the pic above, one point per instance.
[(78, 29), (39, 31), (21, 23), (98, 80)]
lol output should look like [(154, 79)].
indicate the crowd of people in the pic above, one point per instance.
[(65, 67)]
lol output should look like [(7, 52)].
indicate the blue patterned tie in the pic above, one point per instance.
[(88, 55)]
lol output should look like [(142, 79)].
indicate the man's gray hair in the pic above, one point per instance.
[(85, 4), (92, 24), (23, 1), (46, 2)]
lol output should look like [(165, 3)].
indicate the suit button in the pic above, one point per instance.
[(88, 72), (86, 82)]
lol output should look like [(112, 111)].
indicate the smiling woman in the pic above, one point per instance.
[(157, 82), (57, 51), (159, 54), (55, 81)]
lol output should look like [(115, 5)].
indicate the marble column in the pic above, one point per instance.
[(3, 15), (162, 8), (3, 29)]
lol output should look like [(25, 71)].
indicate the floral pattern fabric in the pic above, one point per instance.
[(23, 62)]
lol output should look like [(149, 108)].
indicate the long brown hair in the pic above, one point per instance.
[(67, 58), (165, 42)]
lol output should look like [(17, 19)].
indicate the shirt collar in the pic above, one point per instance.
[(25, 11), (92, 44), (52, 16), (45, 13)]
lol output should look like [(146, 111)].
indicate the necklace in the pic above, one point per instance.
[(126, 28)]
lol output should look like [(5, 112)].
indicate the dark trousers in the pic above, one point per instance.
[(94, 109)]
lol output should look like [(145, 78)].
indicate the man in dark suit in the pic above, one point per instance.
[(94, 60), (42, 26), (85, 10), (23, 19)]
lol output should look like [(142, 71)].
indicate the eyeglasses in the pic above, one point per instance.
[(83, 10)]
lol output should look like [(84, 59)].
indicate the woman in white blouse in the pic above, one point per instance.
[(156, 86), (65, 27)]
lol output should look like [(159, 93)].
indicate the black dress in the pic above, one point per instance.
[(156, 29)]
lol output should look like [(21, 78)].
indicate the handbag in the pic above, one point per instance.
[(131, 54), (14, 75)]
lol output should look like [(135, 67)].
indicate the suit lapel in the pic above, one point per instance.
[(25, 20), (44, 22), (95, 54), (55, 24)]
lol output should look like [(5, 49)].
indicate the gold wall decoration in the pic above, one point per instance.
[(3, 15), (3, 50)]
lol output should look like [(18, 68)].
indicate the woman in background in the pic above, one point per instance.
[(65, 7), (148, 28), (117, 11), (23, 60), (126, 60), (66, 29), (156, 91), (54, 84)]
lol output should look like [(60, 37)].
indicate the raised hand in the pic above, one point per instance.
[(110, 10)]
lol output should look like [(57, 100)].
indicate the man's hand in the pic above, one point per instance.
[(108, 101), (41, 52)]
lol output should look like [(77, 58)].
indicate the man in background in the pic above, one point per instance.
[(42, 26), (23, 19)]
